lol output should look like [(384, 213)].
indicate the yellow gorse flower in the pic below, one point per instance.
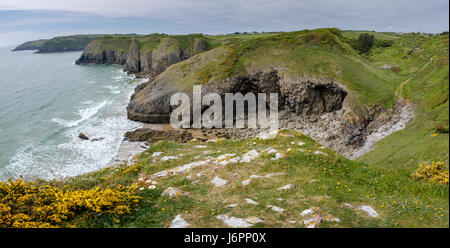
[(23, 204), (435, 172)]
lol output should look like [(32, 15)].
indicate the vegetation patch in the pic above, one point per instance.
[(28, 205)]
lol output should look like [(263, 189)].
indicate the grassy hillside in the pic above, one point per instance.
[(64, 43), (320, 53), (353, 34), (333, 185), (30, 45), (423, 64)]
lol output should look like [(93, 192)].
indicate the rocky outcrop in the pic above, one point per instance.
[(133, 63), (104, 57), (146, 56), (316, 106)]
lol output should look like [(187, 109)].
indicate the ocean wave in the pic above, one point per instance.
[(85, 114), (65, 154)]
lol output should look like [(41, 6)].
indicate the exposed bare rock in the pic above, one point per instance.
[(174, 192), (83, 136), (179, 222)]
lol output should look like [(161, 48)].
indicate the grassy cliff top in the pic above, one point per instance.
[(61, 43), (321, 53), (320, 179), (421, 64), (148, 43)]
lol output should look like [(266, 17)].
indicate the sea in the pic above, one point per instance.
[(46, 101)]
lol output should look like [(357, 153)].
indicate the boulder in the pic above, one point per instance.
[(83, 136)]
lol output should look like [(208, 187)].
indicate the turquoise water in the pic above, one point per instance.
[(46, 101)]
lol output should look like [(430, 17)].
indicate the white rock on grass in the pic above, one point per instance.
[(233, 221), (179, 222), (200, 146), (301, 143), (246, 182), (174, 192), (275, 208), (320, 153), (224, 158), (232, 205), (312, 222), (165, 158), (307, 212), (231, 160), (272, 151), (249, 156), (274, 174), (270, 134), (277, 156), (156, 154), (255, 176), (250, 201), (180, 169), (234, 160), (219, 182), (254, 220), (369, 210), (285, 187)]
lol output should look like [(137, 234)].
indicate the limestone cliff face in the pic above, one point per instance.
[(103, 57), (319, 107), (148, 56), (133, 63)]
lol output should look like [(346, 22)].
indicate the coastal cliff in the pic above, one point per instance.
[(148, 55), (312, 71), (59, 43)]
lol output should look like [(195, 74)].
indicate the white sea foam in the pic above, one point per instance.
[(85, 114), (73, 156)]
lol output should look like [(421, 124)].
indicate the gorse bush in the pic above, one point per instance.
[(435, 172), (23, 204)]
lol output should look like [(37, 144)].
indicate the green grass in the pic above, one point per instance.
[(66, 43), (327, 182), (319, 53), (378, 35), (426, 67)]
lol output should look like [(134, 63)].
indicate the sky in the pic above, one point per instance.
[(23, 20)]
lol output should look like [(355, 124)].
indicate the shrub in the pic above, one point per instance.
[(435, 172), (23, 204), (364, 43), (384, 43)]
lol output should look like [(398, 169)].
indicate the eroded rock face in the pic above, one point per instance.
[(312, 96), (304, 96), (133, 64), (147, 62), (317, 107), (105, 57)]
